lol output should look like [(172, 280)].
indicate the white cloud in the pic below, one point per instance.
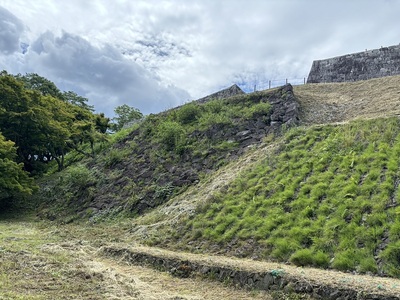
[(11, 28), (148, 53), (101, 73)]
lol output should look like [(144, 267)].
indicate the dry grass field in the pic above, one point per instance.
[(43, 261), (324, 103)]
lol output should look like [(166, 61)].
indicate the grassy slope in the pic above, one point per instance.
[(160, 157), (328, 197)]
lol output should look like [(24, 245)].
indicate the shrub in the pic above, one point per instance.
[(257, 110), (368, 264), (171, 135), (115, 156), (345, 261), (283, 248), (188, 113), (302, 257), (165, 191), (208, 119), (77, 177), (214, 106), (227, 145), (321, 259)]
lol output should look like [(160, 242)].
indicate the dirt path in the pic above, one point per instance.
[(39, 263), (335, 280), (42, 261), (144, 283)]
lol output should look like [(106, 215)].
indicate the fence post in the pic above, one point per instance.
[(286, 80), (269, 84), (304, 80)]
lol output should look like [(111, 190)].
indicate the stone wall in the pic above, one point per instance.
[(268, 280), (225, 93), (357, 66)]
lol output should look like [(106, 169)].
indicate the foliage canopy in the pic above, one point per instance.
[(43, 122), (13, 180)]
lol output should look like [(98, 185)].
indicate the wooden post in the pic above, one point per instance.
[(286, 80), (269, 84)]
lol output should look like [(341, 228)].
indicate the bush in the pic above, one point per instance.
[(77, 177), (283, 248), (115, 156), (208, 119), (257, 110), (171, 135), (345, 261), (302, 257), (321, 259), (368, 264), (188, 113)]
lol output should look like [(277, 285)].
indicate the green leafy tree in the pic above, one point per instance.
[(13, 180), (33, 81), (77, 100), (43, 127), (102, 122), (125, 115)]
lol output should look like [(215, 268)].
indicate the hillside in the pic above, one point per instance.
[(166, 153), (240, 177), (339, 102)]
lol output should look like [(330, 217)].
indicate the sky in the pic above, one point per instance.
[(155, 54)]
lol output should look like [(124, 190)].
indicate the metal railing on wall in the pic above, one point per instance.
[(269, 84)]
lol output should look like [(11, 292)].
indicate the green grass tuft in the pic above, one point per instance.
[(325, 199)]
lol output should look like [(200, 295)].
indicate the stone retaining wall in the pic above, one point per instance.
[(272, 280), (357, 66)]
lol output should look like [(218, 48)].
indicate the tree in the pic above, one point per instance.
[(102, 123), (77, 100), (13, 180), (125, 115), (33, 81), (44, 123)]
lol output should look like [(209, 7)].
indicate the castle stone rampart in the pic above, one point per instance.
[(357, 66)]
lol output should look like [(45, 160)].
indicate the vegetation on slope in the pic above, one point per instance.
[(328, 198), (39, 125), (164, 154)]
